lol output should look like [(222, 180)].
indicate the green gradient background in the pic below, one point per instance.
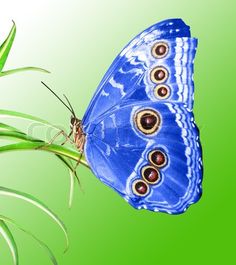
[(77, 41)]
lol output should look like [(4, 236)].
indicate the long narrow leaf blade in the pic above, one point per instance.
[(72, 188), (17, 135), (6, 46), (11, 132), (41, 243), (6, 127), (56, 149), (24, 69), (7, 235), (34, 201), (73, 177), (15, 114)]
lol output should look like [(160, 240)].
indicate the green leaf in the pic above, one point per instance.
[(23, 69), (15, 114), (34, 201), (73, 176), (6, 46), (72, 187), (7, 235), (66, 161), (56, 149), (10, 132), (4, 52), (17, 135), (41, 243), (6, 127)]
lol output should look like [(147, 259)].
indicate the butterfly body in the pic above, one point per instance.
[(139, 135), (77, 133)]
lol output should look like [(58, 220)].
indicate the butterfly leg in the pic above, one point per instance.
[(75, 173), (61, 132), (68, 138)]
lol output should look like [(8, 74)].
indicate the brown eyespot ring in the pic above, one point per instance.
[(160, 50), (147, 121), (157, 158), (159, 74), (140, 187), (150, 174), (162, 91)]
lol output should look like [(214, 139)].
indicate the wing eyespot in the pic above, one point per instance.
[(160, 50), (147, 121), (150, 174), (159, 74), (157, 158), (162, 91), (140, 187)]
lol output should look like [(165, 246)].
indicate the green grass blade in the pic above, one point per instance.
[(23, 69), (15, 114), (17, 135), (66, 161), (34, 201), (73, 176), (7, 235), (6, 46), (6, 132), (12, 132), (4, 52), (56, 149), (72, 188), (21, 136), (41, 243), (6, 127)]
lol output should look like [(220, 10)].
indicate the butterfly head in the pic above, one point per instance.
[(75, 123)]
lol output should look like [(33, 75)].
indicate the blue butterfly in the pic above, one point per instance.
[(138, 133)]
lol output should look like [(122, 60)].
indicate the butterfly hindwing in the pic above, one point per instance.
[(117, 151), (119, 147)]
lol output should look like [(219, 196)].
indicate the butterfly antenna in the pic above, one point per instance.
[(71, 110)]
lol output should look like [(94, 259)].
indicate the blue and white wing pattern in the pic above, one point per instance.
[(141, 139)]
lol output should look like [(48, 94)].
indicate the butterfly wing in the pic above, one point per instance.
[(119, 146), (117, 152), (133, 64)]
